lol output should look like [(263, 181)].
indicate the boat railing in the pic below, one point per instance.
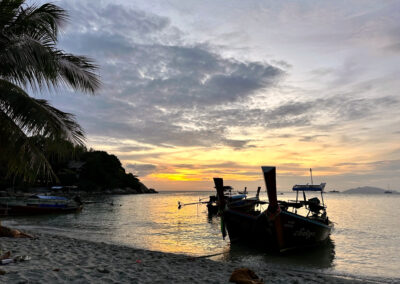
[(312, 207)]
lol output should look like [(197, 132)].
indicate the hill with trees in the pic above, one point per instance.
[(368, 190), (88, 170)]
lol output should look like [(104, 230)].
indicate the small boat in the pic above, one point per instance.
[(279, 227), (239, 201), (244, 191), (39, 204), (233, 200)]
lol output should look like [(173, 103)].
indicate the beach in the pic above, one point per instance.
[(59, 259)]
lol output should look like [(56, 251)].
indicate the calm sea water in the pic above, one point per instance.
[(365, 242)]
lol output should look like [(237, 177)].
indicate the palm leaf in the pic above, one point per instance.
[(8, 11), (39, 22), (37, 117), (29, 58), (27, 61), (77, 71), (28, 55), (23, 157)]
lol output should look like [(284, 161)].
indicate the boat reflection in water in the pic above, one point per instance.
[(317, 257)]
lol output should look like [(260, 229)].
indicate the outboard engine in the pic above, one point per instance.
[(314, 205)]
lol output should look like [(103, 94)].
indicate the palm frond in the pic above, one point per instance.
[(24, 158), (37, 117), (78, 72), (8, 11), (26, 61), (39, 22), (28, 55), (29, 58), (43, 21)]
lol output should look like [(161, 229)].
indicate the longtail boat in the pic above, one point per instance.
[(39, 204), (279, 227), (232, 198)]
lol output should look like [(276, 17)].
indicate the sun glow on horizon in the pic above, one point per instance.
[(194, 167)]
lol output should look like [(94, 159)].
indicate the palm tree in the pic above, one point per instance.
[(29, 59)]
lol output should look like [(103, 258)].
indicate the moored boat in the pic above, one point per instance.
[(39, 204), (279, 227), (233, 199)]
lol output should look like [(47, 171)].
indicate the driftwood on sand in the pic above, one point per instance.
[(13, 233)]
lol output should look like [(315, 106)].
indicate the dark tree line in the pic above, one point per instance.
[(90, 170)]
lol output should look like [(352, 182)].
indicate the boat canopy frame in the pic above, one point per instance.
[(309, 187)]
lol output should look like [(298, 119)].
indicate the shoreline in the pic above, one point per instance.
[(60, 259)]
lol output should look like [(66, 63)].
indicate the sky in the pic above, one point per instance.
[(198, 89)]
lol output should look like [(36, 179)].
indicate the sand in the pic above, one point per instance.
[(59, 259)]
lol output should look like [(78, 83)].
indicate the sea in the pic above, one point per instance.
[(365, 242)]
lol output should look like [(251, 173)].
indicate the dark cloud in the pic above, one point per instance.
[(139, 156), (157, 90), (381, 168), (141, 170), (208, 126), (345, 164), (311, 137), (131, 148), (286, 135), (238, 144)]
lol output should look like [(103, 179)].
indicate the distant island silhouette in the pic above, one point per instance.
[(370, 190)]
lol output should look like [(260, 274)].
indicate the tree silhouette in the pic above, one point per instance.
[(29, 59)]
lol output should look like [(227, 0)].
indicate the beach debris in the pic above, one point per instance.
[(5, 255), (6, 261), (138, 261), (56, 269), (6, 258), (13, 233), (2, 272), (103, 270), (20, 258), (245, 276), (26, 258)]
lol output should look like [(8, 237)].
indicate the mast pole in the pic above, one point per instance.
[(311, 177)]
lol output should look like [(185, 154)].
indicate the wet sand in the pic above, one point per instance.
[(58, 259)]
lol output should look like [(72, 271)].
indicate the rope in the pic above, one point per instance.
[(208, 255)]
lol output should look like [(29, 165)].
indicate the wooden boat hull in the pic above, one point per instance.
[(38, 204), (244, 205), (286, 231), (36, 210), (212, 209)]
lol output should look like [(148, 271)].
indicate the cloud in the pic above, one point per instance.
[(161, 91), (376, 168), (238, 144), (311, 137), (141, 170), (157, 90), (132, 148)]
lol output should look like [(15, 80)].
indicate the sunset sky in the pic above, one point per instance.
[(198, 89)]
